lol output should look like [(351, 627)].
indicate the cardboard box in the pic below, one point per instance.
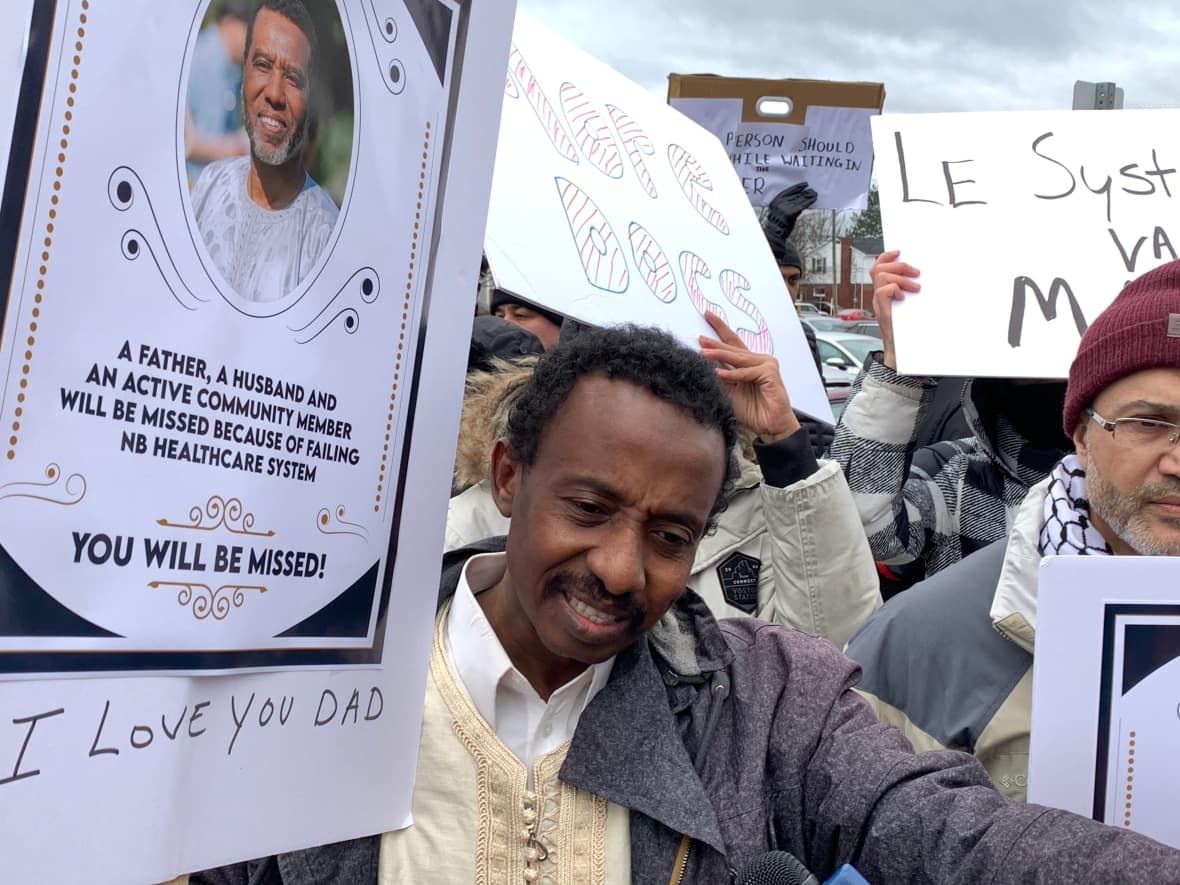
[(782, 132)]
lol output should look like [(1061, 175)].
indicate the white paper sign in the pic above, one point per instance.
[(1106, 691), (199, 480), (832, 151), (610, 207), (1025, 226)]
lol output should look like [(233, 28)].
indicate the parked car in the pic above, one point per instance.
[(822, 323), (836, 377), (845, 351), (805, 309), (854, 313), (866, 327)]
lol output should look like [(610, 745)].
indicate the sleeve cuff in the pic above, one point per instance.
[(878, 371), (787, 461)]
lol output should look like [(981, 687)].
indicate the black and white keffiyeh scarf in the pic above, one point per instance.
[(1066, 529)]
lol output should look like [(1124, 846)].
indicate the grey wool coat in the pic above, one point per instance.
[(747, 737)]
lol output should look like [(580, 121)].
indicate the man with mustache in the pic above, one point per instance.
[(587, 720), (1118, 494), (788, 547), (263, 218)]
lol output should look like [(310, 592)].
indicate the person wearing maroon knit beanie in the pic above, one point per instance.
[(1122, 408), (1118, 493), (1139, 330)]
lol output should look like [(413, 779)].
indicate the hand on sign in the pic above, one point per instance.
[(891, 280), (753, 382)]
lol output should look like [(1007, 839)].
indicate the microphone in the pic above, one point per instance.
[(776, 868), (783, 868)]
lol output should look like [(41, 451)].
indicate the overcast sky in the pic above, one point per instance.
[(994, 55)]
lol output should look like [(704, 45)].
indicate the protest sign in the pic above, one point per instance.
[(1025, 226), (228, 425), (1106, 691), (610, 207), (782, 132)]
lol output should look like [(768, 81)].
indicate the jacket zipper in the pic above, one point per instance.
[(681, 864)]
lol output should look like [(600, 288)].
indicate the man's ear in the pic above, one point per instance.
[(506, 475), (1079, 440)]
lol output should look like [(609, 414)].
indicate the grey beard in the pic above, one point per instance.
[(283, 152), (1124, 514)]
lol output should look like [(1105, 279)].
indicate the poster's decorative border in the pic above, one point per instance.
[(349, 614), (1108, 691), (24, 134)]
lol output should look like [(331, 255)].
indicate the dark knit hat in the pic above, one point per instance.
[(1139, 330), (492, 338), (787, 255), (502, 296)]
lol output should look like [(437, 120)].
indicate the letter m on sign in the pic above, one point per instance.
[(1048, 304)]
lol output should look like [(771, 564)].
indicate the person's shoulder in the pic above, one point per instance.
[(943, 626), (319, 200), (944, 608), (223, 171), (766, 648), (215, 183), (472, 515)]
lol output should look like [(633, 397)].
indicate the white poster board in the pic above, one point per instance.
[(1025, 226), (610, 207), (168, 545), (1106, 691)]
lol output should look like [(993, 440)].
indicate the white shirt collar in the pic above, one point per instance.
[(499, 692)]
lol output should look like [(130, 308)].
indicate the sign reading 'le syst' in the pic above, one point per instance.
[(1025, 226)]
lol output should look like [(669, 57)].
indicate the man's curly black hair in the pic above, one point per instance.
[(296, 12), (645, 357)]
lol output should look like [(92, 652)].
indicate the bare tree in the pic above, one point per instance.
[(813, 236)]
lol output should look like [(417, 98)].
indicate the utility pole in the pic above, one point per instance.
[(835, 282)]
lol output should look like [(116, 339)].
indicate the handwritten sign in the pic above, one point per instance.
[(1025, 226), (818, 132), (227, 453), (610, 207), (1106, 691)]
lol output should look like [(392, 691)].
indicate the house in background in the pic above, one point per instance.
[(851, 286)]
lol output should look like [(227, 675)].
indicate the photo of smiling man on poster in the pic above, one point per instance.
[(263, 218)]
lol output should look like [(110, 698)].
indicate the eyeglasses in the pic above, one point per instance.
[(1145, 433)]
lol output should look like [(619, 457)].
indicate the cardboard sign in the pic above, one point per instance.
[(781, 132), (1106, 691), (610, 207), (1025, 226), (229, 406)]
